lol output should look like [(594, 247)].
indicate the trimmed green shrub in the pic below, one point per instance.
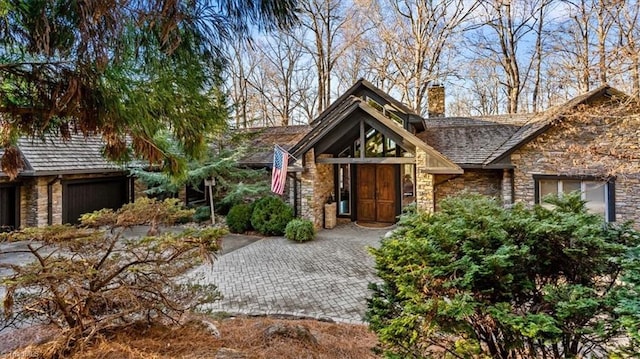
[(300, 230), (202, 214), (476, 280), (239, 218), (271, 215)]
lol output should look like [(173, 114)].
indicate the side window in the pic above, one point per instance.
[(599, 195)]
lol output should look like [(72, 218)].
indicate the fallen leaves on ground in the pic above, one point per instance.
[(240, 338)]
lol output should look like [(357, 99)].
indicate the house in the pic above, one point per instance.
[(60, 181), (373, 155)]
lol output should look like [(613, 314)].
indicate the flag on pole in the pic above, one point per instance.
[(279, 172)]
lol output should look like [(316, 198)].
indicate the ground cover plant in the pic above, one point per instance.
[(475, 280), (94, 279)]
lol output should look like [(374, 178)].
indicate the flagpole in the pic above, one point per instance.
[(285, 151)]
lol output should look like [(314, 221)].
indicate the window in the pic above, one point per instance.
[(598, 194), (408, 173), (344, 185)]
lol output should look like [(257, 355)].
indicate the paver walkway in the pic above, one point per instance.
[(325, 279)]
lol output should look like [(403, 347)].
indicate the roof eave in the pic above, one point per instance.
[(415, 141), (35, 173)]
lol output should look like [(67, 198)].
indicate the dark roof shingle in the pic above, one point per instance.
[(263, 139), (51, 154), (465, 140)]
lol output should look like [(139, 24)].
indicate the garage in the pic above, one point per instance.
[(9, 207), (88, 195)]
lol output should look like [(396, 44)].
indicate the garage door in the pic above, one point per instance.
[(83, 196), (9, 207)]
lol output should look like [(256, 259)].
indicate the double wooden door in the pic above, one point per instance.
[(377, 192)]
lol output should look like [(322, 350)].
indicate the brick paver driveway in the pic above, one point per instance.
[(326, 278)]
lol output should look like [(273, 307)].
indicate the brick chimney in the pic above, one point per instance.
[(435, 98)]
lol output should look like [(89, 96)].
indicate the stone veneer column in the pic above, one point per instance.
[(424, 184), (507, 187), (42, 205), (317, 185), (307, 196)]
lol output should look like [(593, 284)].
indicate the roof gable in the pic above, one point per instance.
[(345, 117), (365, 89), (541, 122)]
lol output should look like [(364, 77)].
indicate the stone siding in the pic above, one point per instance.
[(425, 200), (34, 199), (317, 184), (485, 182), (584, 148)]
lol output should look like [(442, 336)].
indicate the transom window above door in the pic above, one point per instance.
[(376, 145), (598, 194)]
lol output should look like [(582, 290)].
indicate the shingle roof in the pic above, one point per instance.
[(263, 139), (79, 154), (467, 144), (540, 122)]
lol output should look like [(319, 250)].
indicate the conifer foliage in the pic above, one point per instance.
[(124, 70), (475, 280), (96, 278)]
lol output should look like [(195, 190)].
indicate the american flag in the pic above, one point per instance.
[(279, 173)]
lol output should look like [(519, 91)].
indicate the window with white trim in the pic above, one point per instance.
[(598, 194)]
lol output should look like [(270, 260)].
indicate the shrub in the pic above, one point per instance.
[(477, 280), (300, 230), (90, 281), (271, 215), (202, 214), (239, 218)]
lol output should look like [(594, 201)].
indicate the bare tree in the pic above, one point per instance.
[(479, 90), (327, 21), (239, 68), (358, 59), (627, 55), (418, 38), (505, 27), (280, 79), (583, 42)]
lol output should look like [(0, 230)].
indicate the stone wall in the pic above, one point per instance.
[(317, 184), (425, 200), (584, 147), (485, 182), (507, 187), (34, 199)]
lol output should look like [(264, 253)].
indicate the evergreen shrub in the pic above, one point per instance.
[(239, 218), (202, 214), (300, 230), (271, 215), (476, 280)]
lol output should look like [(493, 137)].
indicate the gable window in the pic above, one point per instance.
[(598, 194)]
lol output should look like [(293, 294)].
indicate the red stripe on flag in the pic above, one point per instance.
[(279, 172)]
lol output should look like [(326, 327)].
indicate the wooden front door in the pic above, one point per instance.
[(376, 193)]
